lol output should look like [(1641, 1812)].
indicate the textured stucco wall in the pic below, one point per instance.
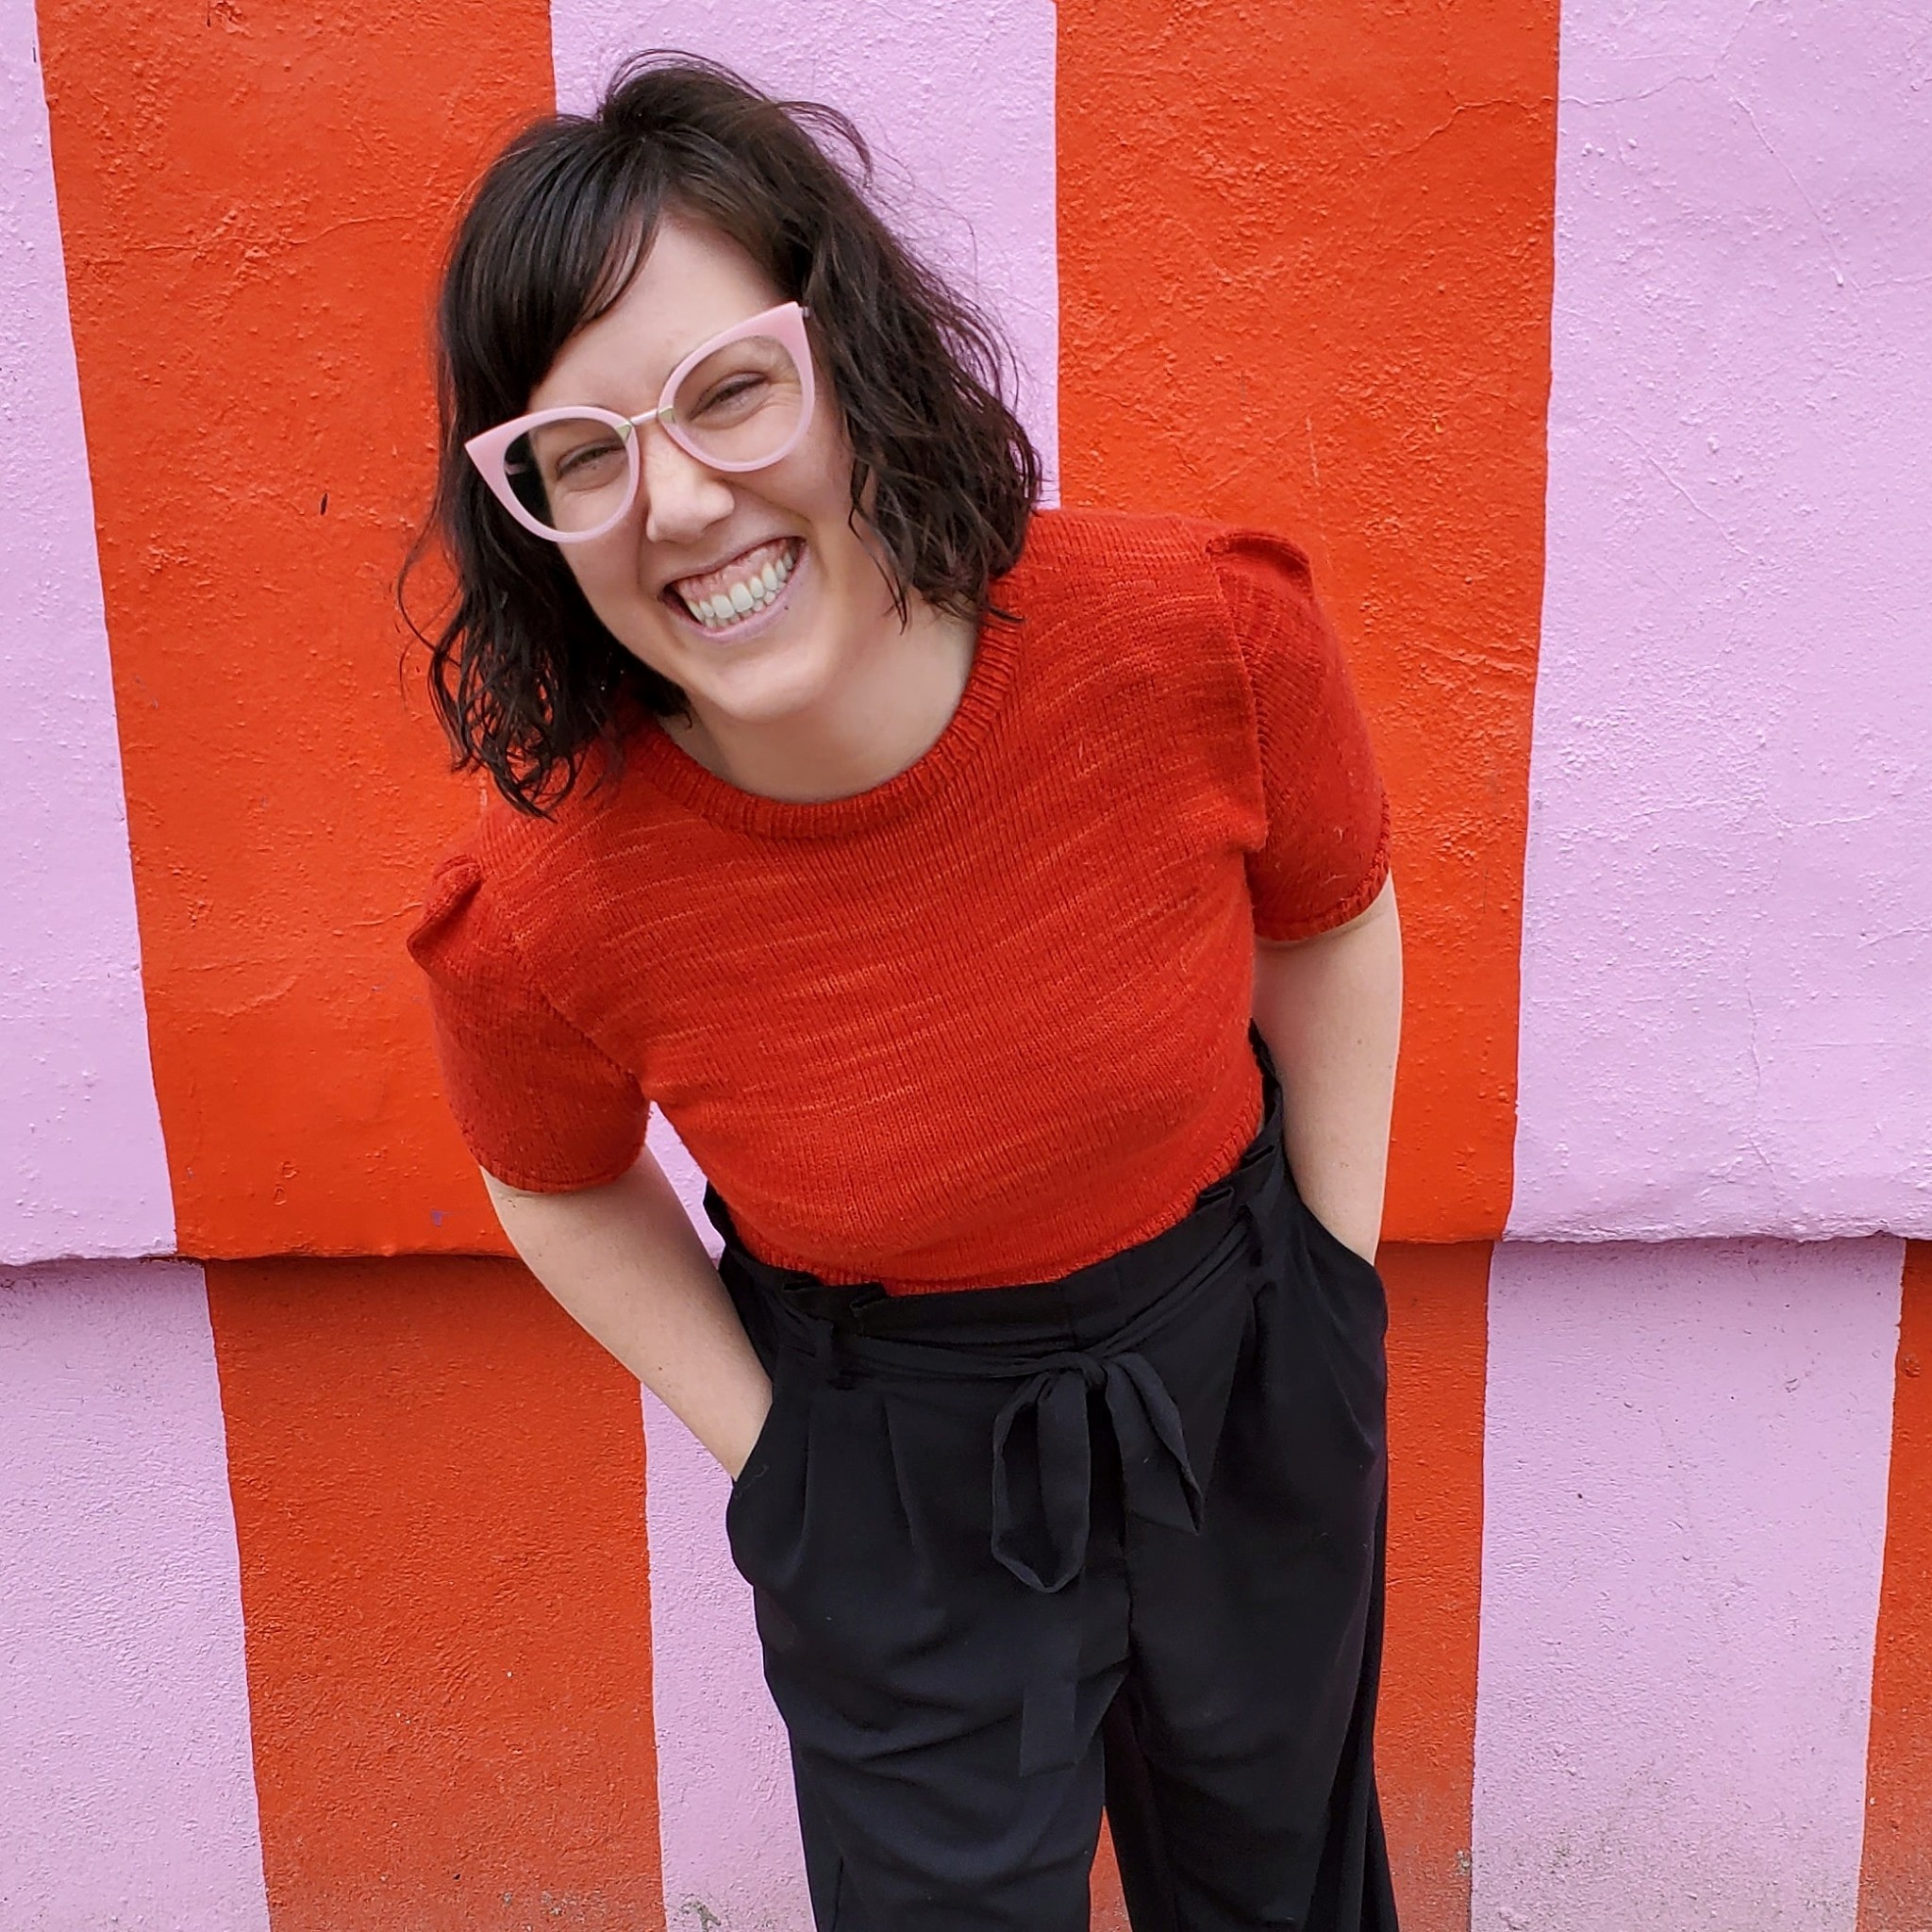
[(1895, 1879), (1305, 283), (82, 1170), (126, 1786), (1685, 1493), (1728, 954), (251, 213), (356, 1593)]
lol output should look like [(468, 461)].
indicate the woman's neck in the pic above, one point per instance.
[(886, 715)]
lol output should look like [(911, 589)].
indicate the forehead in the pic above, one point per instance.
[(693, 282)]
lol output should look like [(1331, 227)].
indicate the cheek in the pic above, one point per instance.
[(823, 467), (607, 575)]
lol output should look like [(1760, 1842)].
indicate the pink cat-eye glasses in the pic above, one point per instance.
[(739, 401)]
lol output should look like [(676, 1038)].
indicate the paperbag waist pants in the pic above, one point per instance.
[(1014, 1550)]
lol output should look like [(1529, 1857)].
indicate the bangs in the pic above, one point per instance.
[(577, 230)]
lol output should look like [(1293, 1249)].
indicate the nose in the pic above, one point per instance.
[(682, 498)]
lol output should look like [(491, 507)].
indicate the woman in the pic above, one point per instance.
[(954, 877)]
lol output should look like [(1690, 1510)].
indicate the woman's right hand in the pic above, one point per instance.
[(734, 1451)]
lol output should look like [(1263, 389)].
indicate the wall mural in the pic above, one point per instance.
[(346, 1584)]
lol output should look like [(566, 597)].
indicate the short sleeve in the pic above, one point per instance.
[(536, 1102), (1326, 853)]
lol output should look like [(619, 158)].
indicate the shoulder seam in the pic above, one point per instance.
[(543, 992), (466, 861)]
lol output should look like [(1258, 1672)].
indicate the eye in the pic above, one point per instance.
[(734, 392), (589, 461)]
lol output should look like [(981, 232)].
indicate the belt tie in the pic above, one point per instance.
[(1043, 1447), (1043, 1461)]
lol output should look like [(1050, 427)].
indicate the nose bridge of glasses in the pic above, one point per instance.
[(676, 484), (635, 426)]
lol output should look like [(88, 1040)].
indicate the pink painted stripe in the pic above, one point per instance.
[(728, 1822), (80, 1133), (957, 102), (127, 1781), (960, 106), (1685, 1458), (1725, 944)]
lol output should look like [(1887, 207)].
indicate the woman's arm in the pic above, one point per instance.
[(1330, 1009), (627, 1263)]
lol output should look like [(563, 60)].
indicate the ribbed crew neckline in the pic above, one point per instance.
[(668, 766)]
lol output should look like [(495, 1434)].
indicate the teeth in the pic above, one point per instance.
[(728, 606)]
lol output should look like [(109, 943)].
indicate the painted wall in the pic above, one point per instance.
[(343, 1584), (1726, 955)]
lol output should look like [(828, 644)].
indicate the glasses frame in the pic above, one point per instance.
[(489, 451)]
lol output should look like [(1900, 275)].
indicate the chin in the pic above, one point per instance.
[(785, 677)]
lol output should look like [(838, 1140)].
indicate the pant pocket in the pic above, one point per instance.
[(771, 1468), (1336, 1302), (1332, 1257)]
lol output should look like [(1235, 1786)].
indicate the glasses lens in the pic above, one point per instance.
[(570, 474), (742, 403)]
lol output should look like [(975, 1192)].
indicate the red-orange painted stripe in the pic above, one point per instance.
[(1895, 1884), (1306, 258), (438, 1502), (1426, 1733), (253, 198), (1108, 1911)]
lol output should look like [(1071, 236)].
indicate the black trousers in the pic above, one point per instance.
[(1120, 1535)]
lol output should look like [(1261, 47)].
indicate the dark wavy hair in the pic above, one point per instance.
[(523, 677)]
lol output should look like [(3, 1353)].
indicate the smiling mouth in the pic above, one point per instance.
[(753, 581)]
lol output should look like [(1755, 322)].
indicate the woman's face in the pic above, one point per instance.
[(693, 532)]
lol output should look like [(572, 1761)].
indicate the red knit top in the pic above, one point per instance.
[(983, 1023)]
